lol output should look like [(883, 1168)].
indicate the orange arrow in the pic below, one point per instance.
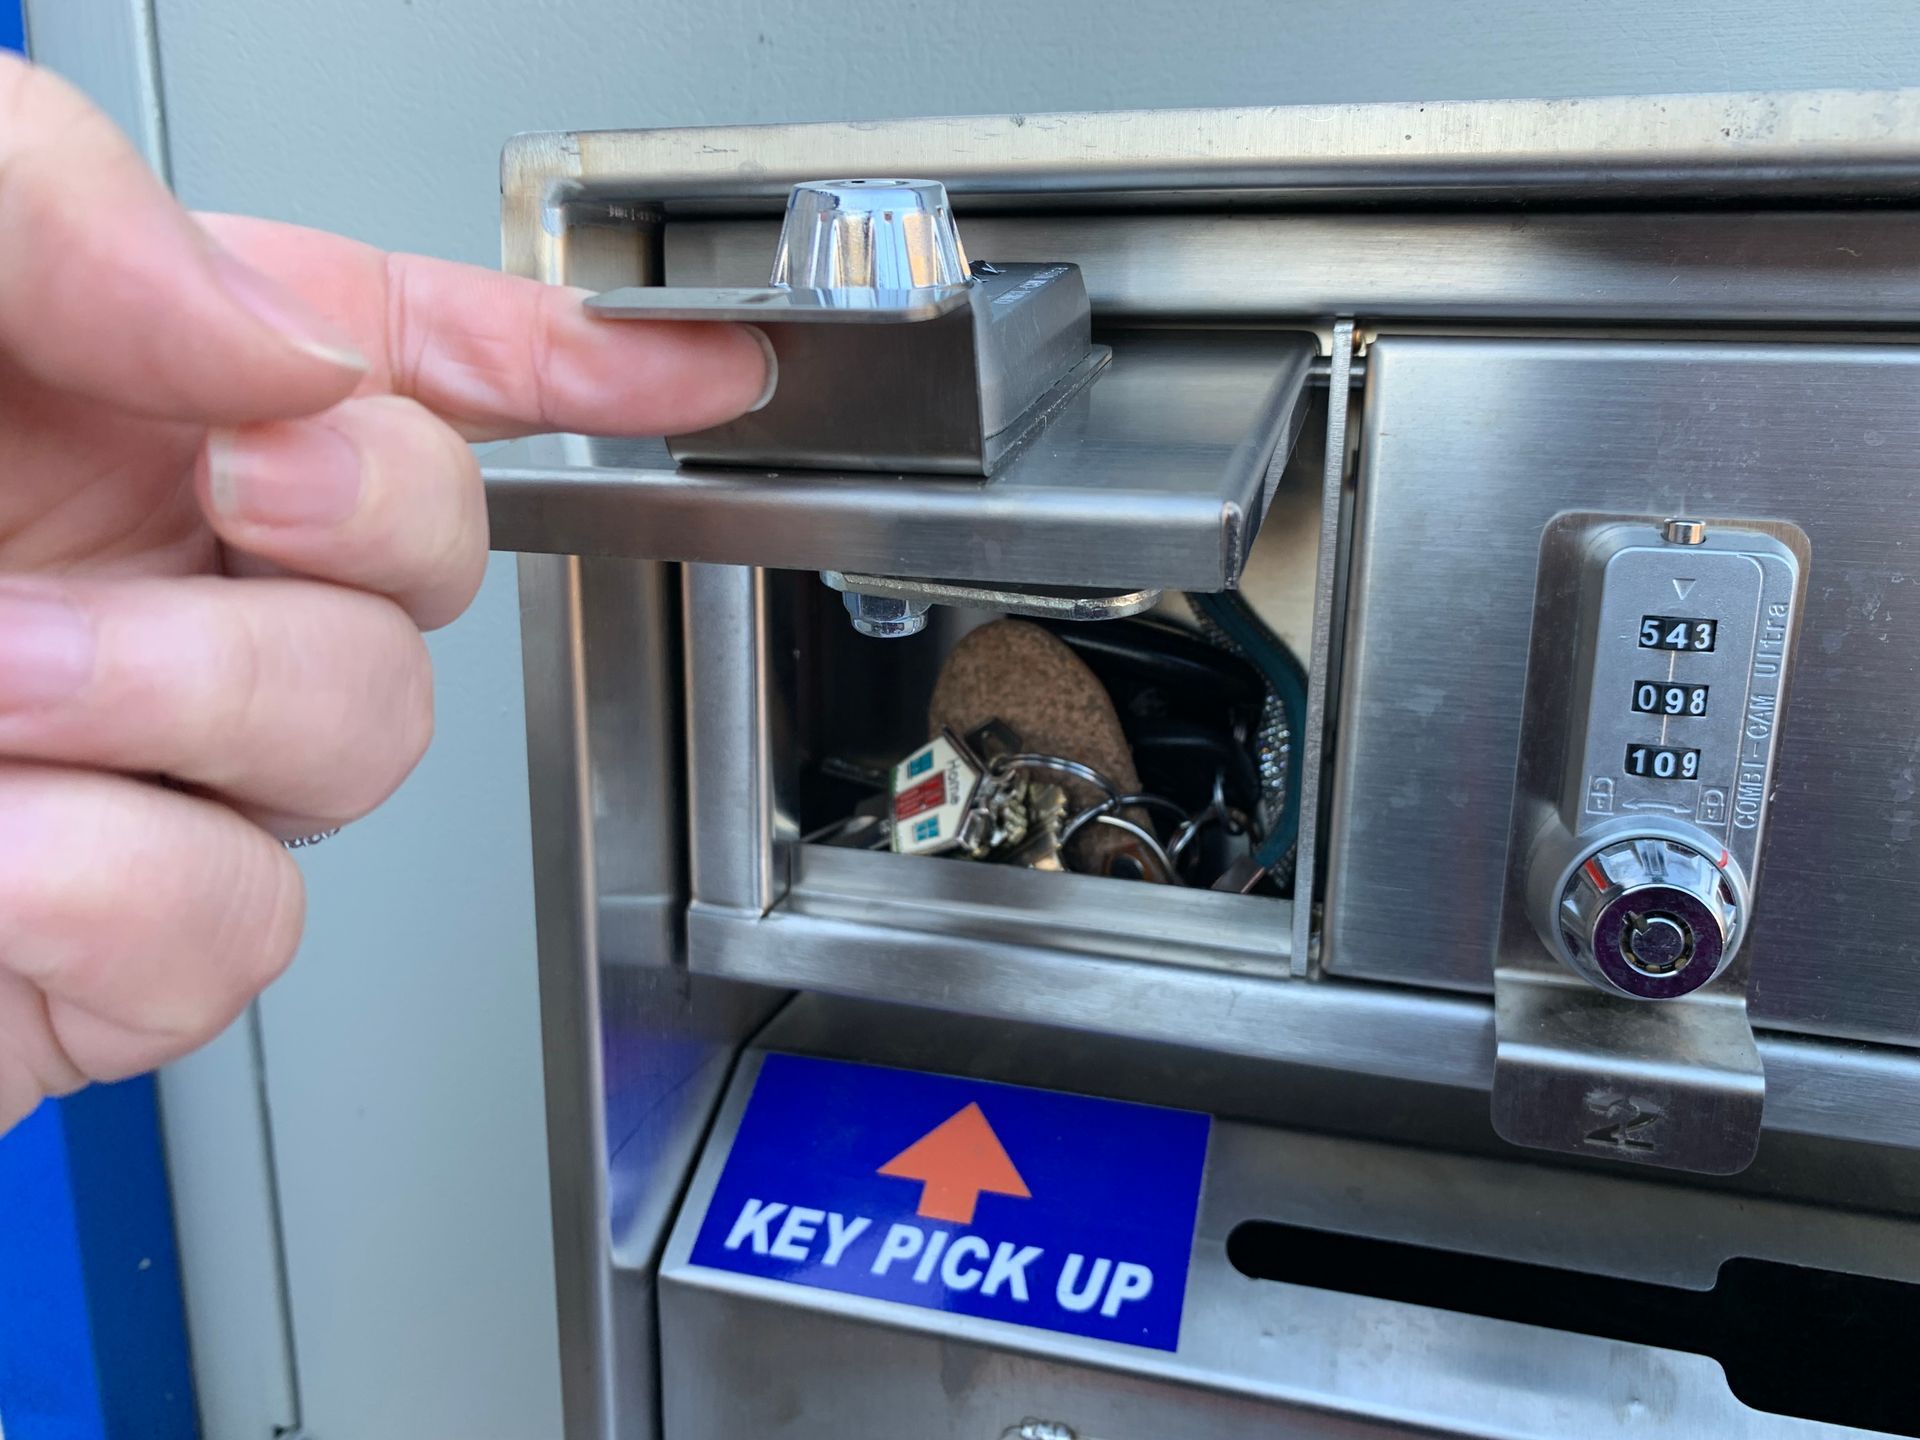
[(957, 1160)]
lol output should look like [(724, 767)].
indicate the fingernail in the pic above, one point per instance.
[(277, 307), (296, 473), (773, 368), (46, 648)]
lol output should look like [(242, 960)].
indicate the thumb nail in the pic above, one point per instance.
[(285, 313), (765, 343)]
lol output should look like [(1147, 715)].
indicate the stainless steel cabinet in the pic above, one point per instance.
[(1438, 331)]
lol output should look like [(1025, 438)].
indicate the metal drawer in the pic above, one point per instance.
[(1256, 1357), (1469, 447)]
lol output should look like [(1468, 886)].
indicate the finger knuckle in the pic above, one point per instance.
[(543, 361), (233, 689), (428, 531), (389, 731), (459, 563), (268, 931), (415, 715), (51, 889), (161, 915), (246, 910), (423, 538)]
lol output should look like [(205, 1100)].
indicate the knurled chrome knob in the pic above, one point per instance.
[(1650, 918), (869, 235)]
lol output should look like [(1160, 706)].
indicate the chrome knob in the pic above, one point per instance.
[(869, 235), (1648, 917)]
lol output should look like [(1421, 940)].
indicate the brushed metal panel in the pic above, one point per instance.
[(1827, 142), (1865, 1093), (745, 1356), (1469, 447), (1780, 268), (1155, 476)]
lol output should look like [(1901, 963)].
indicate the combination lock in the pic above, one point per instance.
[(1640, 874)]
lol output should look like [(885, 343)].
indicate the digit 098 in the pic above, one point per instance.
[(1663, 697)]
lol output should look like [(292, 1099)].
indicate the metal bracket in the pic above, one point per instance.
[(1162, 471), (930, 381), (1333, 479), (1677, 1084), (1047, 602)]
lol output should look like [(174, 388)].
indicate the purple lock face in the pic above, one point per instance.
[(1649, 917), (1658, 943)]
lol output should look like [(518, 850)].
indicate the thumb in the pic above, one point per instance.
[(109, 290)]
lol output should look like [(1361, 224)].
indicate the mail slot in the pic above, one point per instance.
[(1383, 626)]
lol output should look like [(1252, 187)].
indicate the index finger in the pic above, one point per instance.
[(499, 355), (109, 291)]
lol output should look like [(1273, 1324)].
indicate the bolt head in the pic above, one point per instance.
[(1684, 532), (885, 617)]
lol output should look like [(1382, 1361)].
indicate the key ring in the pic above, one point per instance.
[(306, 840)]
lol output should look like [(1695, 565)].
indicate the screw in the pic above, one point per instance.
[(1684, 532), (1040, 1430), (886, 617)]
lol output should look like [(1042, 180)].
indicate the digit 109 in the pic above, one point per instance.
[(1663, 762)]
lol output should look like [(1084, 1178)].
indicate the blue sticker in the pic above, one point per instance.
[(1056, 1211), (93, 1340)]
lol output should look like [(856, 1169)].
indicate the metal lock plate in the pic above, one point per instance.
[(1653, 705), (894, 353), (1671, 712)]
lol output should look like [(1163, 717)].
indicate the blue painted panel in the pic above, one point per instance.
[(48, 1389), (92, 1334), (13, 32), (1057, 1211)]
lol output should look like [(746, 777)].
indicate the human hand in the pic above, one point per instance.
[(234, 487)]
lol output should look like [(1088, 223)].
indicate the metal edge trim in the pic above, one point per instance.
[(1677, 141), (1313, 745), (1855, 1092)]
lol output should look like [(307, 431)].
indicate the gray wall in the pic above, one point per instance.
[(402, 1052)]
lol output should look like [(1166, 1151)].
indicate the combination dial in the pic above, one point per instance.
[(1663, 710)]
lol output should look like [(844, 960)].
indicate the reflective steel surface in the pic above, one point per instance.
[(1471, 445), (1054, 602), (918, 386), (636, 1050), (1828, 143), (1235, 220), (1678, 1085), (752, 306), (1782, 268), (1313, 750), (1256, 1357), (1153, 477), (1149, 963)]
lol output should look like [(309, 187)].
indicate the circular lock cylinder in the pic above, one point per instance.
[(1646, 916)]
